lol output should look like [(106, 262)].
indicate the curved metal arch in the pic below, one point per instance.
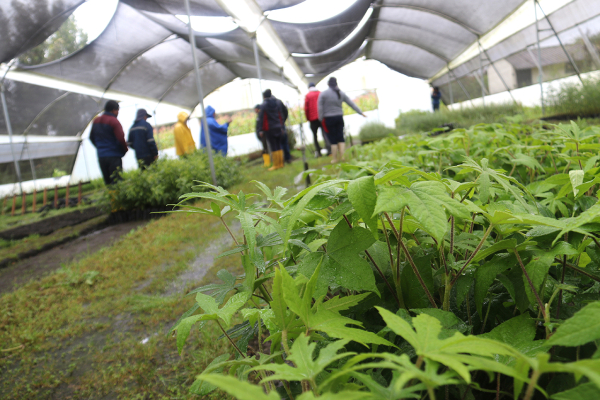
[(434, 12), (446, 60), (135, 57)]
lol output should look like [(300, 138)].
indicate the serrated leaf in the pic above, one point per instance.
[(576, 178), (361, 193), (239, 389), (202, 388), (586, 391), (581, 328)]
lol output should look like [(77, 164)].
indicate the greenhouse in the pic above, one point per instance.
[(300, 199)]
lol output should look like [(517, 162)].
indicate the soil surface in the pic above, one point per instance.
[(48, 261), (49, 225)]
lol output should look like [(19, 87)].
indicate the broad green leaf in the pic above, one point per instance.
[(496, 247), (183, 330), (576, 178), (301, 354), (343, 303), (361, 193), (581, 328), (399, 326), (424, 199), (278, 304), (238, 389), (412, 291), (586, 391)]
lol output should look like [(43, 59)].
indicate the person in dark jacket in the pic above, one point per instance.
[(141, 139), (263, 140), (271, 122), (218, 133), (108, 137), (435, 98)]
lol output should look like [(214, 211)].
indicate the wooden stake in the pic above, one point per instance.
[(23, 203), (45, 196), (34, 200), (12, 213), (79, 195), (67, 197), (55, 196)]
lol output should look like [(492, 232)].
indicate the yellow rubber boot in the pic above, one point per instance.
[(267, 160), (275, 160)]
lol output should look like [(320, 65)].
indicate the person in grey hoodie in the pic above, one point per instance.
[(331, 116)]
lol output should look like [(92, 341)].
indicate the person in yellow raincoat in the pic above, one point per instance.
[(184, 143)]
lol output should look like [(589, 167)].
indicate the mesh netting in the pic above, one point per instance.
[(46, 111), (44, 167), (406, 58), (208, 8), (319, 36), (515, 59), (24, 24)]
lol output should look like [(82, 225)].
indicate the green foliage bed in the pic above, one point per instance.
[(465, 266), (165, 180)]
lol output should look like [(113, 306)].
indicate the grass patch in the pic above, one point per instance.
[(374, 131), (423, 121), (100, 326), (575, 100)]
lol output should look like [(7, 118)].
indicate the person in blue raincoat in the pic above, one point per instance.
[(218, 133)]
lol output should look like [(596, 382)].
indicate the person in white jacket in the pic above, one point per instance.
[(331, 116)]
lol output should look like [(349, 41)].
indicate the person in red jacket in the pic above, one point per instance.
[(312, 116)]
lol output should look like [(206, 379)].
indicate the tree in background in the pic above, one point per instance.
[(66, 40)]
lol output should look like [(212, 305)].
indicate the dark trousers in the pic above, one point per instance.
[(436, 106), (334, 127), (145, 162), (263, 140), (285, 146), (314, 127), (110, 167), (274, 137)]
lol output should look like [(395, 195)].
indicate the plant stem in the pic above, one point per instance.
[(497, 385), (229, 230), (384, 278), (535, 293), (531, 387), (284, 341), (431, 393), (579, 270), (451, 235), (387, 241), (231, 341), (485, 236), (487, 313), (448, 289), (412, 263), (562, 280), (286, 385)]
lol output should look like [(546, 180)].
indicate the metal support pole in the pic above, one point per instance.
[(9, 129), (450, 85), (559, 41), (590, 47), (497, 72), (539, 57), (257, 62), (192, 36), (463, 88), (481, 82)]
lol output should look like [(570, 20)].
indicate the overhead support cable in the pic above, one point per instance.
[(257, 61), (200, 94), (497, 72), (559, 41), (450, 88), (428, 50), (481, 81)]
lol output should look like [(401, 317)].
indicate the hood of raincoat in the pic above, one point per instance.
[(210, 112), (182, 117)]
